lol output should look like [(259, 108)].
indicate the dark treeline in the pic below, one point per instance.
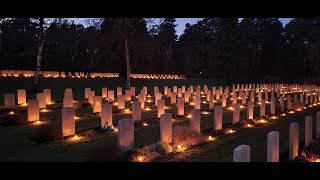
[(254, 48)]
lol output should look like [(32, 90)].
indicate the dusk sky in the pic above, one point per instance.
[(182, 22)]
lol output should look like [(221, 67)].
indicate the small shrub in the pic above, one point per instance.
[(151, 152), (185, 136)]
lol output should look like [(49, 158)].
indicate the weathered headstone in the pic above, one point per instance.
[(33, 110), (86, 92), (293, 140), (121, 102), (126, 134), (9, 101), (68, 124), (308, 130), (104, 92), (128, 95), (106, 115), (250, 110), (136, 110), (180, 106), (111, 96), (160, 107), (42, 100), (195, 120), (119, 91), (22, 96), (236, 113), (166, 128), (217, 117), (97, 102), (47, 95), (273, 146), (241, 153)]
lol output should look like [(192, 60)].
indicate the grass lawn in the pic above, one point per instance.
[(16, 144)]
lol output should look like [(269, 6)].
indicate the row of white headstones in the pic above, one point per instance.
[(242, 152), (309, 93)]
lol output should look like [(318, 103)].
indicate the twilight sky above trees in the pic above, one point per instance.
[(181, 22)]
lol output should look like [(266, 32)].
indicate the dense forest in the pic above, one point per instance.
[(255, 48)]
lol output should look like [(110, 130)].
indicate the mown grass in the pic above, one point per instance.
[(16, 144)]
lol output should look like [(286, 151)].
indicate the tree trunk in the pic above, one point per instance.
[(128, 64), (75, 51), (39, 57)]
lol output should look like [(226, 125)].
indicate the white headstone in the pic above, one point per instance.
[(195, 120), (293, 140), (166, 128), (136, 110), (106, 115), (236, 113), (217, 117), (67, 121), (126, 134), (308, 130), (241, 153), (273, 146)]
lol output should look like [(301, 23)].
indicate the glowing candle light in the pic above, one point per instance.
[(249, 125), (291, 112), (262, 121), (44, 110), (283, 114), (205, 112), (230, 108), (76, 117), (140, 158), (189, 116), (318, 160), (274, 117), (210, 138), (126, 110), (191, 103), (144, 124), (11, 113), (38, 122), (231, 131), (179, 147)]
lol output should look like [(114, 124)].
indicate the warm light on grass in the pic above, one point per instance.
[(149, 100), (140, 158), (299, 109), (38, 122), (304, 107), (147, 109), (74, 101), (11, 113), (210, 138), (241, 107), (75, 138), (231, 131), (76, 117), (205, 112), (283, 114), (274, 117), (291, 112), (127, 110), (145, 124), (115, 103), (148, 96), (191, 103), (24, 104), (204, 102), (179, 147), (189, 116), (166, 107), (44, 110), (318, 160), (249, 125), (262, 121), (230, 108)]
